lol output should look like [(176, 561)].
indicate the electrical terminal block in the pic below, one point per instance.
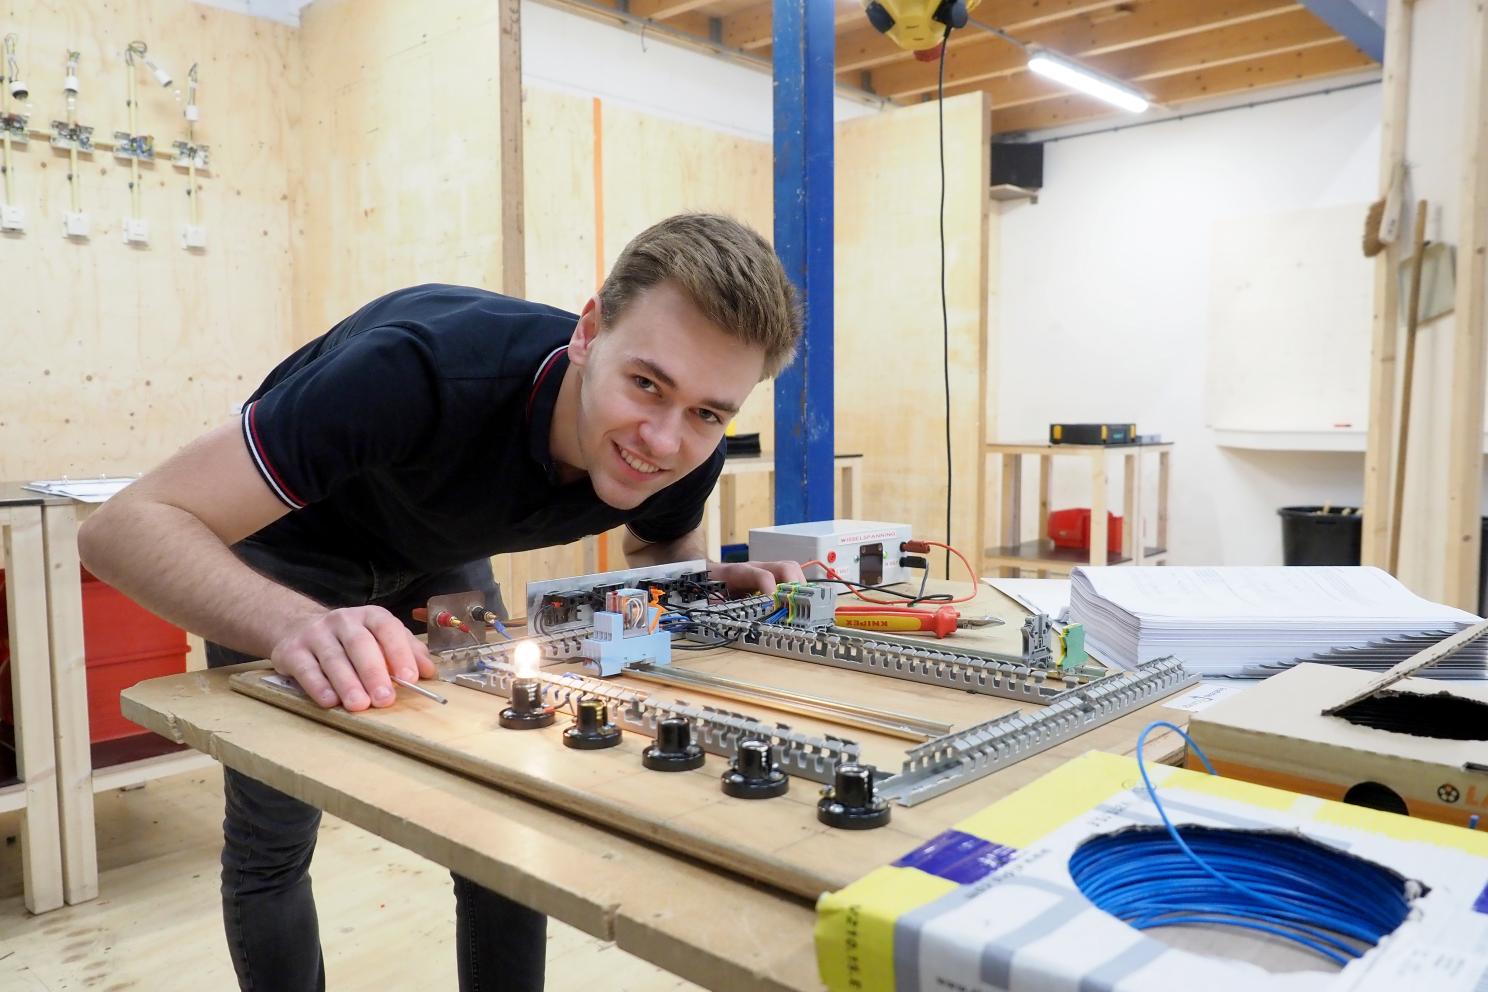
[(806, 604), (140, 146), (66, 136), (19, 127), (192, 156)]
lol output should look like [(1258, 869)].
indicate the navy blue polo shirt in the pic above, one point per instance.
[(414, 435)]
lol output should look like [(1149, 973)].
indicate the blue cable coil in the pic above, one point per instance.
[(1319, 897)]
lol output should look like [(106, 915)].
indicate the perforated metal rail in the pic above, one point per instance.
[(938, 766), (932, 666)]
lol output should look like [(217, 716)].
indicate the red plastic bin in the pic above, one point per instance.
[(123, 643)]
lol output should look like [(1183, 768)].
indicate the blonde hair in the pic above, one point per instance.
[(725, 268)]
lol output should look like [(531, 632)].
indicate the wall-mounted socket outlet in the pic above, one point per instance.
[(136, 231), (74, 224), (12, 218), (194, 237)]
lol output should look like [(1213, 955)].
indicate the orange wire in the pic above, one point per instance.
[(832, 573)]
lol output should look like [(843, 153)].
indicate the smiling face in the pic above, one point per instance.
[(655, 391)]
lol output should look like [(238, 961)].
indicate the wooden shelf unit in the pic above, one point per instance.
[(1014, 555)]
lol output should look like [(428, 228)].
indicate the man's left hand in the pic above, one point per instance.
[(750, 577)]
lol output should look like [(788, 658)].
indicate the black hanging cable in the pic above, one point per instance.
[(945, 318)]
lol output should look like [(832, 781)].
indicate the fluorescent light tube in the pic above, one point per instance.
[(1071, 73)]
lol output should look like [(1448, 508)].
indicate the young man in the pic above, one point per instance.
[(386, 461)]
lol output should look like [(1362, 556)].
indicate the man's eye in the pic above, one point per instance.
[(644, 383), (710, 417)]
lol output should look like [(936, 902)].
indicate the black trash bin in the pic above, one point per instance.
[(1316, 535)]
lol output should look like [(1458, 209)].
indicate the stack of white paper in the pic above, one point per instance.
[(1253, 621)]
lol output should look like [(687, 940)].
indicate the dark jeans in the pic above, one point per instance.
[(267, 906)]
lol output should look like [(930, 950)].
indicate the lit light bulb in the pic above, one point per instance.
[(527, 657)]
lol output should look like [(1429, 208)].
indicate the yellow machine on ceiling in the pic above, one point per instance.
[(918, 25)]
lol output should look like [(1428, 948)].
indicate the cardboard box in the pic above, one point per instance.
[(990, 906), (1277, 733)]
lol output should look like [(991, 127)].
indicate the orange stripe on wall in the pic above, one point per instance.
[(603, 549)]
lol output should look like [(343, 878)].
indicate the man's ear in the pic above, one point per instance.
[(586, 331)]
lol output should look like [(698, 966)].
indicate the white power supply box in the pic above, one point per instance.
[(864, 551)]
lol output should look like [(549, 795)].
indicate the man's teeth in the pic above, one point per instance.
[(637, 464)]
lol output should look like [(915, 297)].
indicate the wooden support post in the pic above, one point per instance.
[(1380, 446), (1011, 508), (1164, 473), (513, 225), (70, 699), (852, 488), (1046, 471), (728, 492), (31, 689), (713, 524), (1470, 341), (1099, 531)]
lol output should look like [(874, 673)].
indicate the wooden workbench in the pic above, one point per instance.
[(700, 921)]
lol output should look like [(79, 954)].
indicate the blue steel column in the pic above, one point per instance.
[(804, 79)]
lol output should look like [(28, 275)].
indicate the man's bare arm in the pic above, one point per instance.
[(164, 541), (743, 578)]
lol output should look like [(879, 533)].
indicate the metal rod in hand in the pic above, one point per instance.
[(419, 689)]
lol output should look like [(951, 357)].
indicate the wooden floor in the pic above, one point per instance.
[(386, 916)]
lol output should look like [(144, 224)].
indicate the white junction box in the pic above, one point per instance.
[(75, 224), (865, 551), (136, 231), (12, 218)]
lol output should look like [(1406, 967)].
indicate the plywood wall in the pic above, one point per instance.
[(595, 176), (354, 157), (399, 178), (890, 391), (115, 355)]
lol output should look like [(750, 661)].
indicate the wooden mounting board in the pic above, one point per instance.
[(777, 841), (663, 908)]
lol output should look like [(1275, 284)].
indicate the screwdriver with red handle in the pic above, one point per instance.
[(941, 622)]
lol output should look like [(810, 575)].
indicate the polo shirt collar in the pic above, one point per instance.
[(542, 399)]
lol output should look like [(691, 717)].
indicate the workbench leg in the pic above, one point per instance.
[(728, 499), (31, 689), (1011, 509), (1162, 499), (713, 525), (70, 704), (1098, 527), (852, 490), (1130, 481), (1046, 470)]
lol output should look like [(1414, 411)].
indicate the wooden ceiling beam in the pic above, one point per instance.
[(661, 10), (1245, 42), (1153, 22), (861, 47), (752, 28), (1275, 70)]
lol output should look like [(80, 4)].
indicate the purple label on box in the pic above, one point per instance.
[(1481, 905), (957, 857)]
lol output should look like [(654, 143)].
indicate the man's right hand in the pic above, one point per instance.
[(345, 656)]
